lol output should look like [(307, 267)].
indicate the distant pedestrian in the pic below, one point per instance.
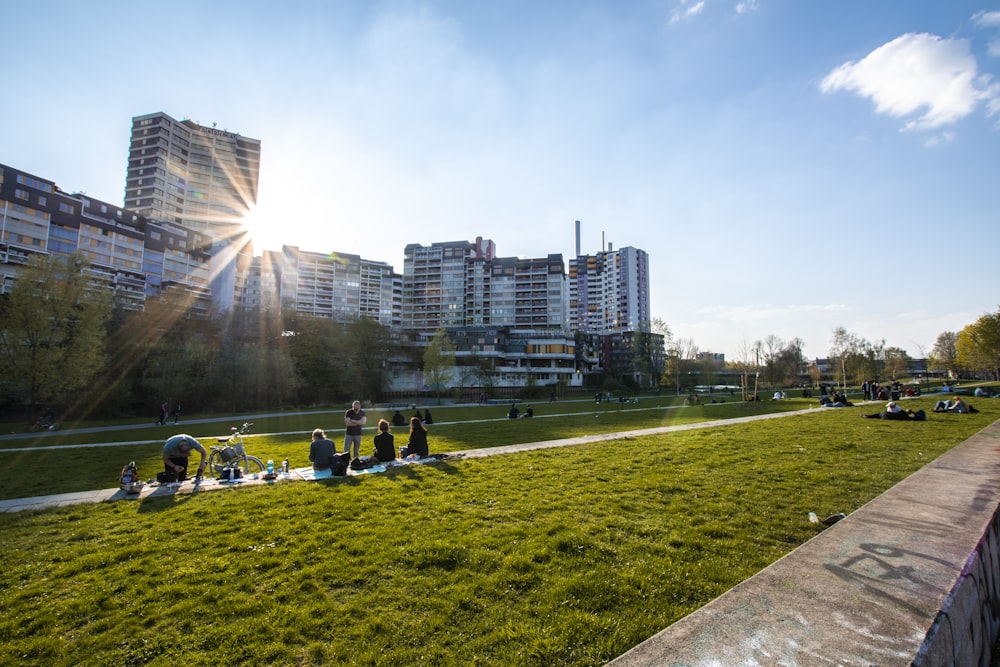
[(177, 412), (163, 414)]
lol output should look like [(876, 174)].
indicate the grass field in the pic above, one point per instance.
[(555, 557)]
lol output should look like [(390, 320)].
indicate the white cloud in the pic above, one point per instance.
[(987, 19), (938, 139), (687, 12), (746, 6), (921, 74)]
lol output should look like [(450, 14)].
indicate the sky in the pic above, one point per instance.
[(790, 167)]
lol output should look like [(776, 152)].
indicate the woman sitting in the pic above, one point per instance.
[(418, 440), (385, 450)]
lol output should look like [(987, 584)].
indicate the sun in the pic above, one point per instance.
[(263, 233)]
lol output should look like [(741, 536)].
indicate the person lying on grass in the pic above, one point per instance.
[(893, 411)]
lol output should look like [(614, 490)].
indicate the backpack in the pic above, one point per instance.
[(339, 463)]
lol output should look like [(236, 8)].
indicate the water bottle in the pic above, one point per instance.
[(284, 466), (270, 467)]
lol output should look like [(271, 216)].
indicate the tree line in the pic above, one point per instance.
[(65, 344)]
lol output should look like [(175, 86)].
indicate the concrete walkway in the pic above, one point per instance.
[(208, 484), (908, 580)]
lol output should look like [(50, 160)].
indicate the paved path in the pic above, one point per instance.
[(105, 495)]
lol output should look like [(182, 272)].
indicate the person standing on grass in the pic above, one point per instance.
[(385, 450), (354, 419), (322, 450), (418, 440), (177, 412), (176, 451)]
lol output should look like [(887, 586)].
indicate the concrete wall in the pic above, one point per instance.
[(911, 578)]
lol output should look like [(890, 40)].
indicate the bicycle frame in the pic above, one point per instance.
[(232, 455)]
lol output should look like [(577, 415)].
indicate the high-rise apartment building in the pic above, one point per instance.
[(462, 284), (203, 179), (337, 286), (609, 291)]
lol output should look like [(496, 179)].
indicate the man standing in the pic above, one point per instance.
[(175, 455), (354, 419)]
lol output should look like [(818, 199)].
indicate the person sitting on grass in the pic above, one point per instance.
[(954, 405), (385, 450), (958, 405), (513, 412), (322, 450), (417, 446)]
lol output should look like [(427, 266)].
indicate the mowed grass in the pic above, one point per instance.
[(555, 557), (52, 462)]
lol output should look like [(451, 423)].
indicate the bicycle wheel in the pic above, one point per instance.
[(251, 465), (215, 464)]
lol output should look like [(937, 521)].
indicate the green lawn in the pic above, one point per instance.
[(554, 557)]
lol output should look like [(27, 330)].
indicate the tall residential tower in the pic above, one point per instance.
[(201, 178)]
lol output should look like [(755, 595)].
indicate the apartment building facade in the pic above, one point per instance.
[(609, 291), (128, 253), (202, 179)]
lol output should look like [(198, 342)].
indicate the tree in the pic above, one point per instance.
[(367, 354), (747, 363), (944, 354), (978, 345), (896, 360), (52, 332), (439, 361)]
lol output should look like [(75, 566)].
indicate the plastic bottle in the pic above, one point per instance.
[(270, 467), (284, 466)]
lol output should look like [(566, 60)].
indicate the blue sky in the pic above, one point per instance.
[(789, 166)]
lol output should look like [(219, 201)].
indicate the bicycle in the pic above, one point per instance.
[(43, 424), (231, 455)]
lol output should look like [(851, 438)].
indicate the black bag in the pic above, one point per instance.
[(338, 466), (363, 463)]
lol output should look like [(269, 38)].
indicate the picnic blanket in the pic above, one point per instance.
[(309, 474)]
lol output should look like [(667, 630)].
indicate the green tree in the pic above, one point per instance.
[(318, 347), (367, 355), (979, 345), (896, 360), (944, 354), (439, 361), (52, 332)]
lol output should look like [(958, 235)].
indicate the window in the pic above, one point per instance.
[(21, 194), (66, 208), (23, 179)]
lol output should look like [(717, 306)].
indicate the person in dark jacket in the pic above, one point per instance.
[(418, 440), (385, 450)]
